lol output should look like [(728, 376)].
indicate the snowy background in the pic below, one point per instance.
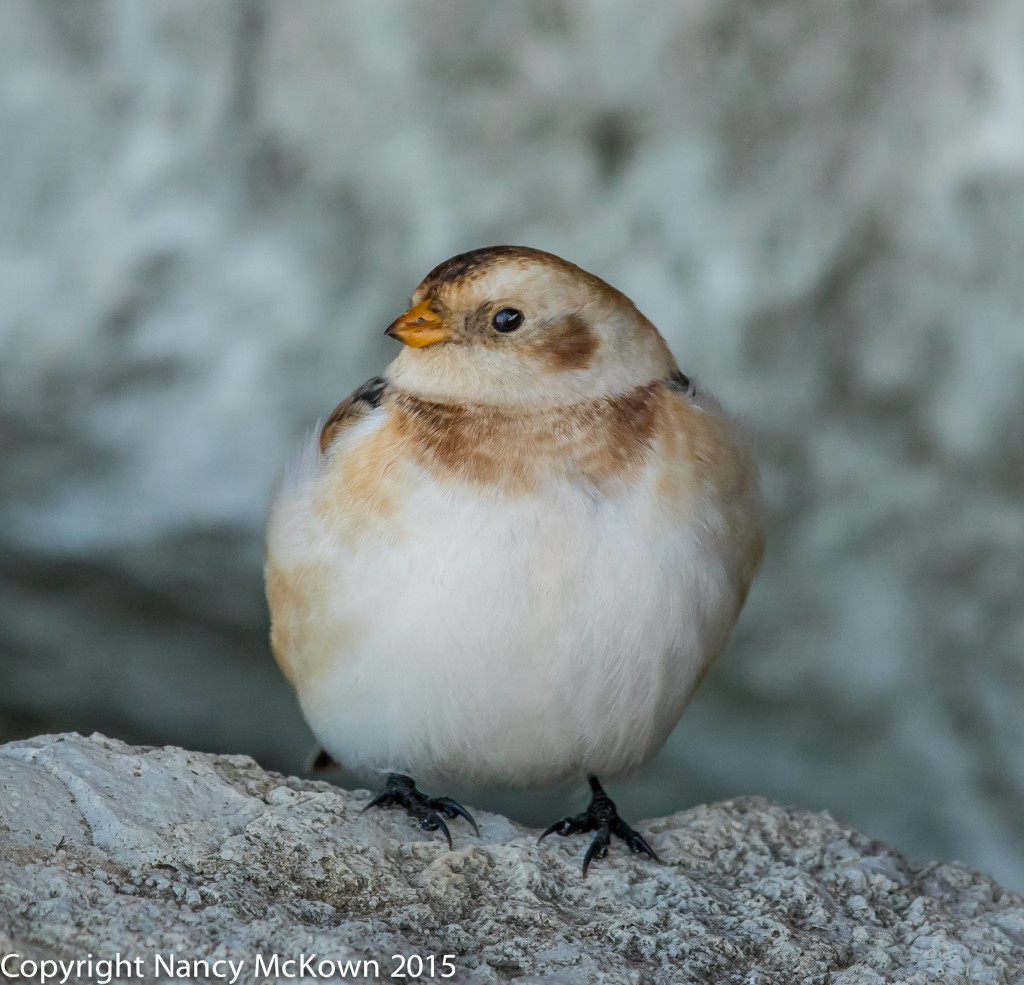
[(209, 213)]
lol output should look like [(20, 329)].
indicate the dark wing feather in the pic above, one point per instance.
[(679, 382), (354, 407)]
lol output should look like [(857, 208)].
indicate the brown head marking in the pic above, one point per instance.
[(475, 263), (569, 343)]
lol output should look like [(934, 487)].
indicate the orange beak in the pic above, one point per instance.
[(420, 325)]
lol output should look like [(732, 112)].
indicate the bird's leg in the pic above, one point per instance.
[(603, 817), (400, 791)]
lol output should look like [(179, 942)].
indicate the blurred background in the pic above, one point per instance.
[(210, 212)]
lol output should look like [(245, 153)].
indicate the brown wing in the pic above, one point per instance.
[(354, 407)]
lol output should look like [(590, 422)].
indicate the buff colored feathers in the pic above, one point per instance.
[(512, 557)]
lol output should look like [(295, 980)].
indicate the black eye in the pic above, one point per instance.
[(507, 320)]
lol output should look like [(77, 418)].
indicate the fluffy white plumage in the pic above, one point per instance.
[(456, 594)]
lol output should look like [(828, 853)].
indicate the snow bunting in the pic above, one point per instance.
[(511, 559)]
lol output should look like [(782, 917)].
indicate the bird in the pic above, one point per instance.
[(511, 558)]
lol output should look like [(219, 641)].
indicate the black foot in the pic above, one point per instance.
[(603, 817), (400, 791)]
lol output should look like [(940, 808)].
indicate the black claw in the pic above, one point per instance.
[(568, 826), (598, 849), (430, 812), (603, 817), (432, 821), (382, 799), (636, 841), (452, 809), (639, 844)]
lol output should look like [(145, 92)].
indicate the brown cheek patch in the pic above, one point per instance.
[(569, 343)]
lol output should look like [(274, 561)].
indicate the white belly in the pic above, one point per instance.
[(510, 641)]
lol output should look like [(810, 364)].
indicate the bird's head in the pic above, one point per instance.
[(514, 325)]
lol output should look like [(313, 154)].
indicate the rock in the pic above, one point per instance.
[(112, 849)]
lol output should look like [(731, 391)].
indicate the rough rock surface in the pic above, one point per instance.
[(108, 848)]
